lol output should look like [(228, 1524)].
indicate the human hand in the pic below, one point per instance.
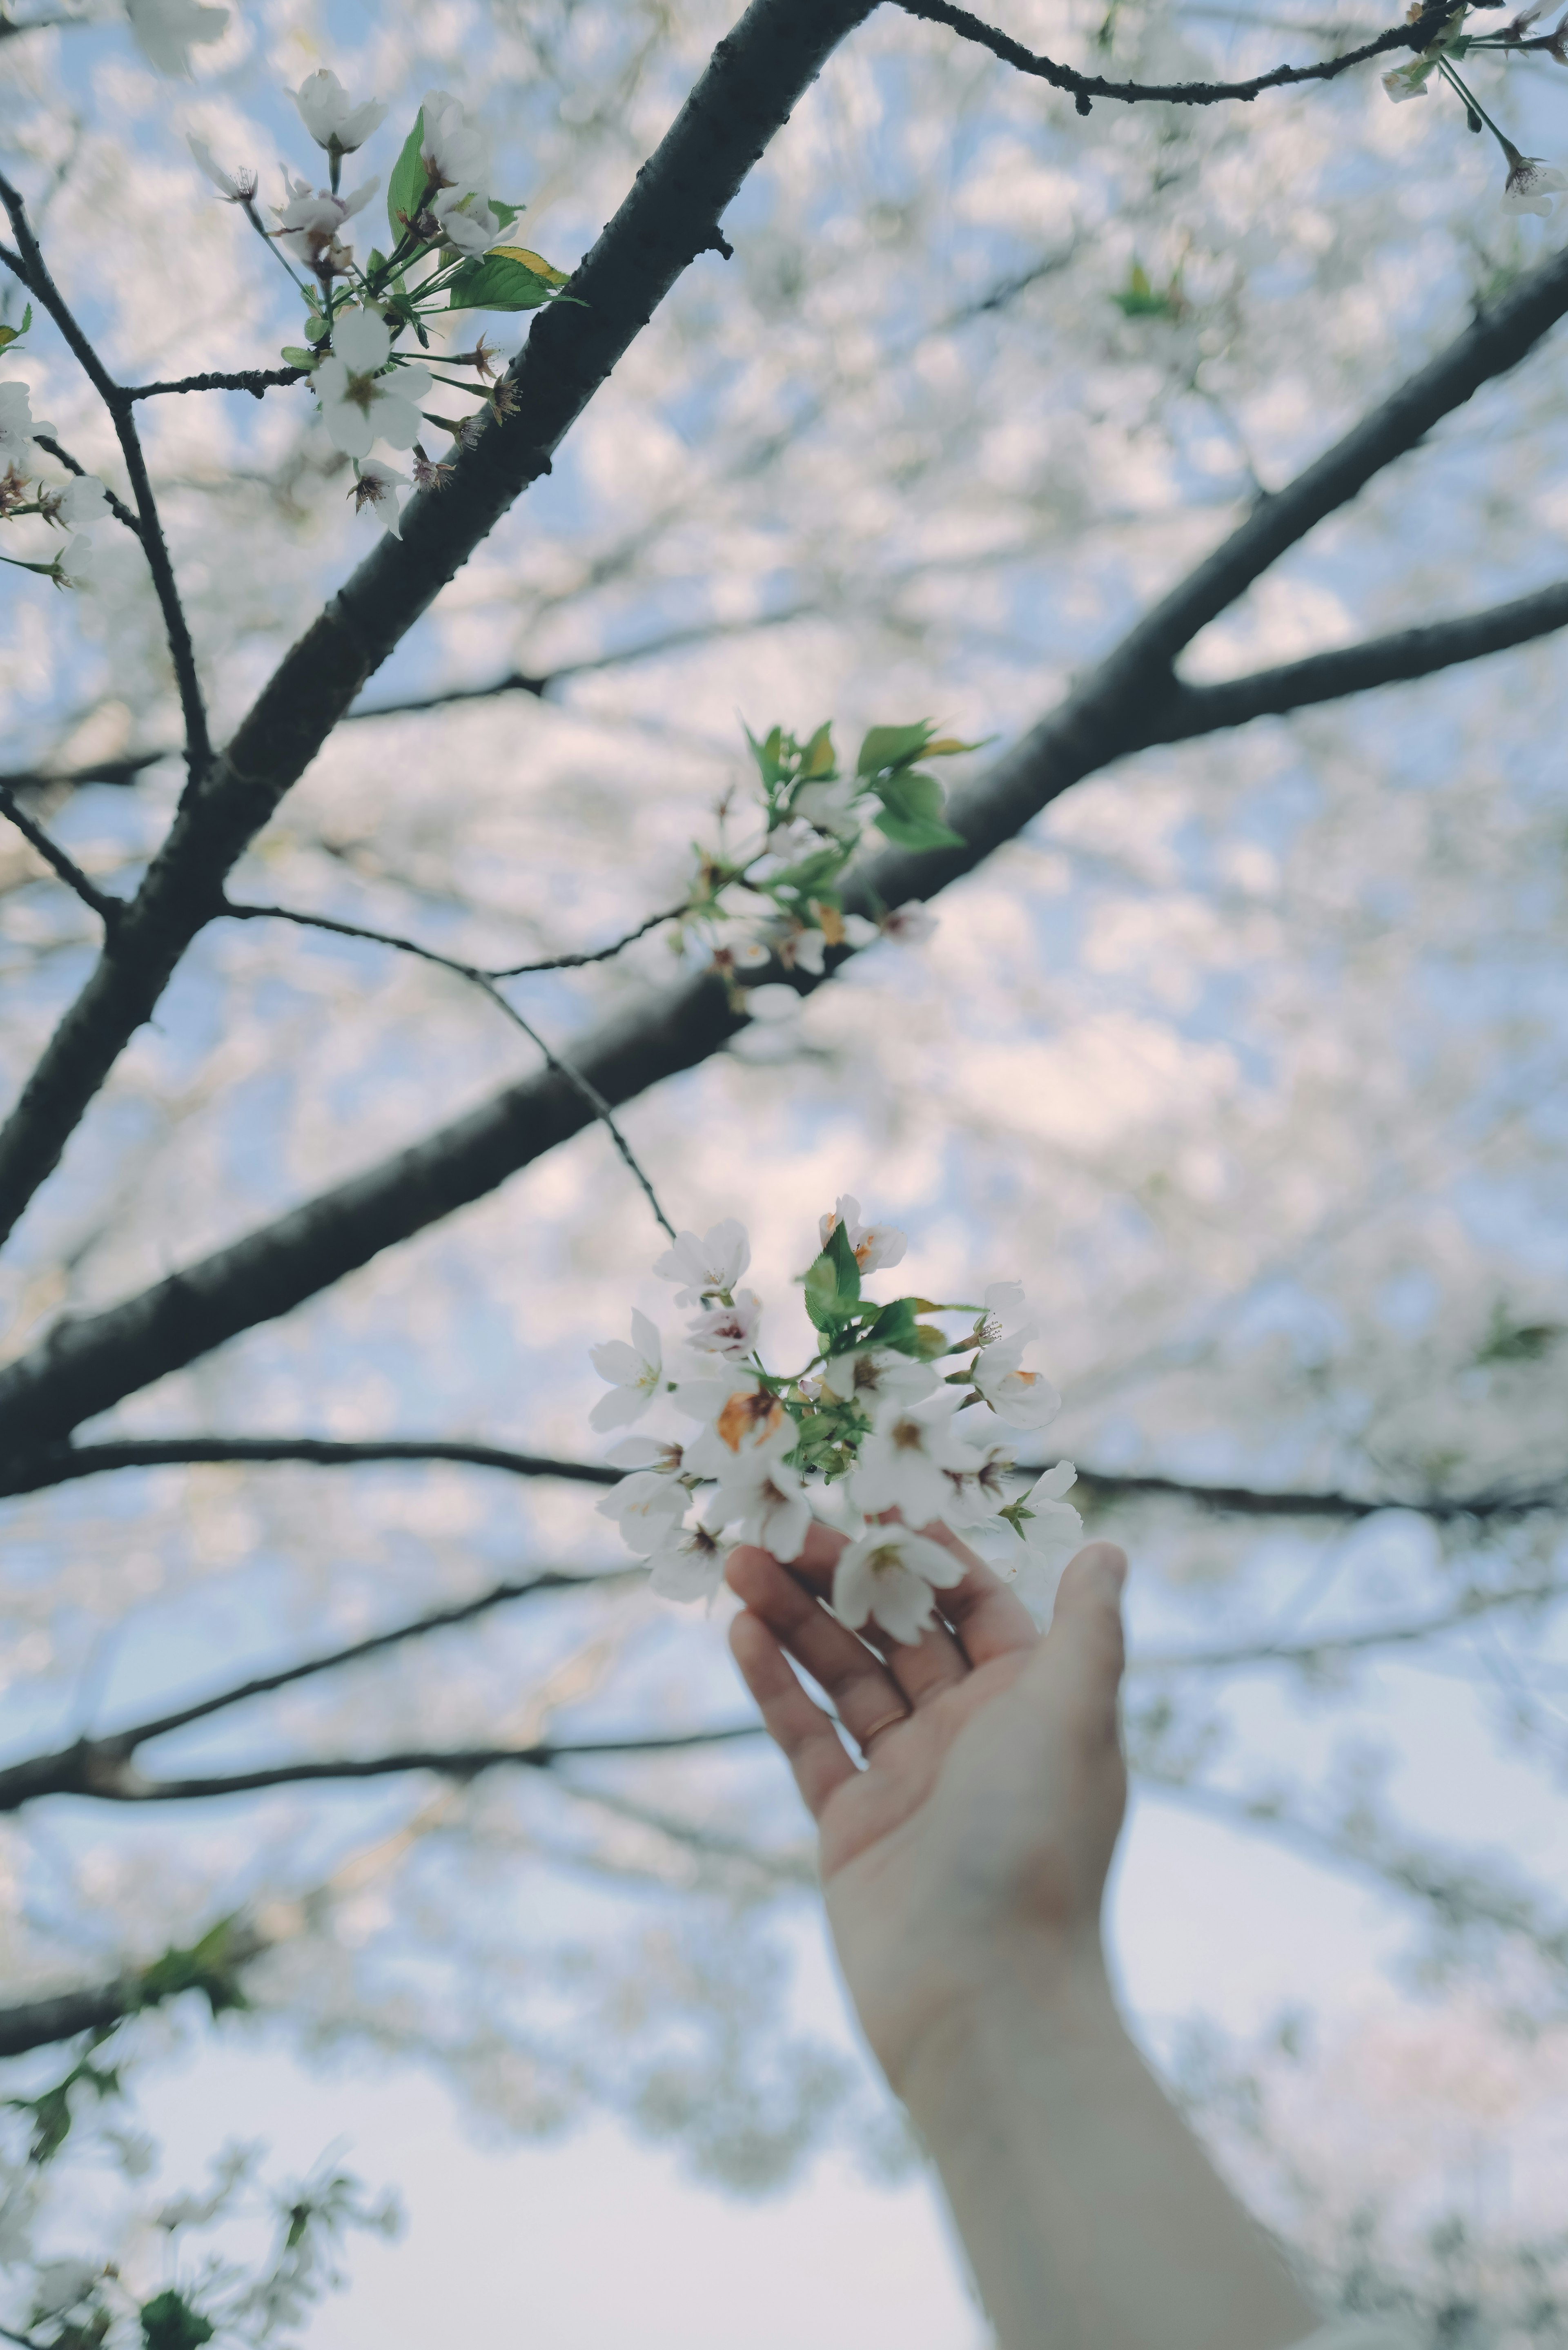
[(976, 1842)]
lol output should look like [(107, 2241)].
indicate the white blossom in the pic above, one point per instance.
[(375, 493), (1052, 1531), (799, 948), (874, 1376), (236, 187), (892, 1574), (766, 1497), (645, 1505), (1002, 1302), (689, 1567), (727, 1330), (308, 225), (734, 1416), (20, 427), (634, 1372), (166, 31), (59, 2285), (465, 220), (454, 151), (905, 1461), (75, 562), (1531, 185), (1410, 80), (359, 405), (648, 1453), (827, 807), (77, 504), (875, 1245), (909, 925), (978, 1492), (707, 1267), (331, 118), (1023, 1399)]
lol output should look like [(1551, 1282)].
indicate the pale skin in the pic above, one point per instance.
[(963, 1864)]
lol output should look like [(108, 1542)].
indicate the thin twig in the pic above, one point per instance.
[(107, 910), (63, 1464), (29, 266), (257, 381), (1413, 1630), (594, 954), (1086, 87), (116, 506), (486, 985)]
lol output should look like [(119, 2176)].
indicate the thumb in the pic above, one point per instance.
[(1084, 1652)]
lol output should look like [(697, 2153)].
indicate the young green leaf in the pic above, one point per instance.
[(507, 277), (406, 187), (892, 747), (911, 813), (833, 1283), (9, 335)]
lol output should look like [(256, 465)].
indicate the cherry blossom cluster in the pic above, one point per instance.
[(871, 1436), (1530, 185), (768, 891), (447, 251), (71, 507)]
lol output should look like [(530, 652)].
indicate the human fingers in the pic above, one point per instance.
[(864, 1692), (990, 1619), (803, 1732), (1085, 1644)]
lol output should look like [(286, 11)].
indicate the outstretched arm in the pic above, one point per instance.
[(963, 1868)]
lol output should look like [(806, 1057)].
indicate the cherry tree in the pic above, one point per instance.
[(1133, 870)]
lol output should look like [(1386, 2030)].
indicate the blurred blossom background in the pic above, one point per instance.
[(1249, 1058)]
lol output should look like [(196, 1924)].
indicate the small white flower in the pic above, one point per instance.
[(706, 1266), (874, 1376), (454, 151), (827, 807), (1410, 80), (727, 1330), (1052, 1531), (465, 220), (328, 115), (766, 1497), (1004, 1302), (905, 1461), (308, 225), (77, 504), (645, 1504), (18, 427), (375, 493), (634, 1373), (1022, 1398), (166, 31), (357, 404), (735, 1418), (648, 1453), (977, 1493), (909, 925), (74, 562), (692, 1565), (236, 187), (1531, 185), (799, 948), (875, 1245), (788, 841), (59, 2285), (891, 1574)]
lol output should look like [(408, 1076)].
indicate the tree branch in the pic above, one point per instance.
[(107, 909), (86, 1365), (1253, 1502), (753, 80), (257, 381), (35, 276), (64, 1464), (1411, 1632), (485, 982), (116, 505), (1086, 87), (95, 771)]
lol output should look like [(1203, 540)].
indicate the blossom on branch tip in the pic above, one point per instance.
[(733, 1417), (166, 31), (709, 1267), (644, 1503), (454, 151), (358, 404), (77, 504), (874, 1376), (308, 225), (1531, 184), (634, 1372), (761, 1493), (1023, 1399), (74, 563), (464, 220), (690, 1566), (236, 187), (875, 1245), (20, 427), (1052, 1531), (905, 1461), (329, 116), (375, 493), (979, 1494), (728, 1330), (891, 1574), (1410, 80)]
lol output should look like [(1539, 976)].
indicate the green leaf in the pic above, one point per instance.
[(506, 278), (407, 185), (833, 1283), (294, 356), (9, 335), (911, 813), (768, 756), (168, 2322), (816, 760), (891, 747), (504, 213), (209, 1966)]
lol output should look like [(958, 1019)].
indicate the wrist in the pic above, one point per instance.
[(1044, 1992)]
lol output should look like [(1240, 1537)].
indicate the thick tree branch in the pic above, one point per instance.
[(756, 77), (107, 910), (86, 1366), (34, 274), (1086, 87)]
